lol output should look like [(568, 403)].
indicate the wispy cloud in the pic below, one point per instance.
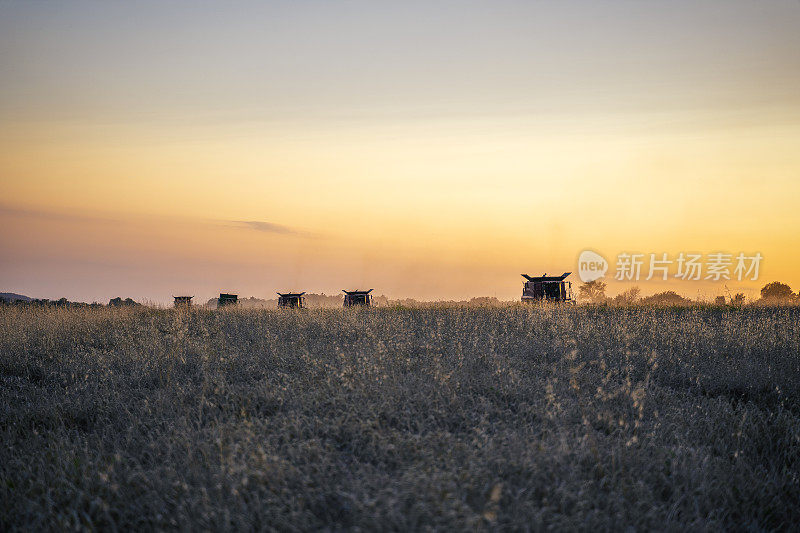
[(271, 227), (57, 216), (53, 215)]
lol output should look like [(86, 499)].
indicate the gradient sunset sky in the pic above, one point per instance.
[(426, 149)]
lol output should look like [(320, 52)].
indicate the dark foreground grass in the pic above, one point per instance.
[(513, 418)]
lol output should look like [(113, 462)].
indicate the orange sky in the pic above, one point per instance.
[(425, 151)]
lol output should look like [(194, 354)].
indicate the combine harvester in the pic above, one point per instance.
[(547, 289), (183, 302), (227, 300), (357, 298), (291, 300)]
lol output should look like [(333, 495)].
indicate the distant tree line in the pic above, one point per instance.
[(478, 301), (63, 302), (774, 293), (44, 302)]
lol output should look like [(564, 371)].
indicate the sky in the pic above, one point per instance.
[(432, 150)]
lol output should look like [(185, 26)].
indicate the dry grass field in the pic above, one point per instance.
[(402, 419)]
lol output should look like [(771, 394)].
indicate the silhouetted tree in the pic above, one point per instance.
[(119, 302), (666, 298), (777, 292), (594, 291), (719, 300), (628, 297)]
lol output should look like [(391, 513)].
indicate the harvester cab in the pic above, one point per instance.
[(357, 298), (291, 300), (226, 300), (547, 288), (183, 302)]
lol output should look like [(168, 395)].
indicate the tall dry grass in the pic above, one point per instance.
[(515, 417)]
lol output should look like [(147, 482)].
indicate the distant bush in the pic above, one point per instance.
[(777, 292), (119, 302), (628, 297), (666, 298), (593, 291)]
